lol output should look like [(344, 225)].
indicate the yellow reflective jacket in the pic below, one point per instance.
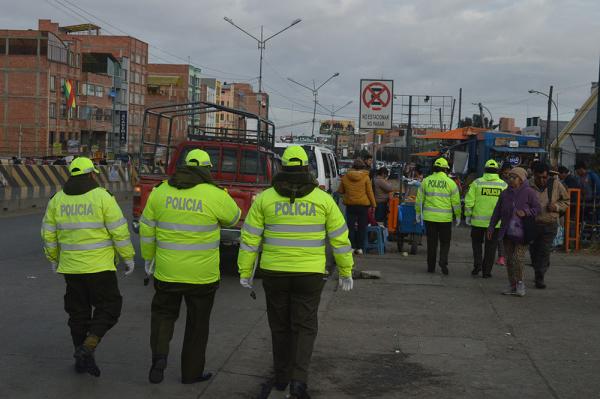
[(82, 232), (438, 198), (181, 230), (481, 199), (292, 236)]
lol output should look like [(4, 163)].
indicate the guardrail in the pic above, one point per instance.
[(31, 186)]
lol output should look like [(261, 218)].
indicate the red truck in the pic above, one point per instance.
[(242, 156)]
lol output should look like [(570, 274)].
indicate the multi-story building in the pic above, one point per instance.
[(107, 75), (175, 84), (240, 96), (210, 91)]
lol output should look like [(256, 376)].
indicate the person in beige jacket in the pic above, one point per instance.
[(358, 197), (554, 200)]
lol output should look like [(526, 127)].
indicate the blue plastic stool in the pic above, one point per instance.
[(379, 243)]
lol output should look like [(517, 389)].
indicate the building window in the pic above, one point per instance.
[(22, 46), (51, 138), (52, 83), (63, 111), (108, 115), (62, 137), (57, 51), (52, 111), (2, 45), (142, 99), (99, 91), (90, 90)]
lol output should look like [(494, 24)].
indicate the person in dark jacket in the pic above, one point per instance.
[(517, 202), (567, 178), (382, 189)]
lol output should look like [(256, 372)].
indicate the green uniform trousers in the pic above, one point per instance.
[(93, 302), (292, 305), (199, 300)]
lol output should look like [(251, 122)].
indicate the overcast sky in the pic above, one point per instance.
[(494, 50)]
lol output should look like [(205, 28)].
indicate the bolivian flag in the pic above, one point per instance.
[(69, 93)]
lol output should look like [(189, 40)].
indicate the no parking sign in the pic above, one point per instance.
[(376, 104)]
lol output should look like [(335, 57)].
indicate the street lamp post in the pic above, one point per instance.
[(551, 102), (315, 92), (333, 111), (262, 43), (481, 108)]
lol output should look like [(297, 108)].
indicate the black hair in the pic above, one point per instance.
[(580, 165), (563, 169), (366, 157), (490, 170), (439, 169), (382, 171), (541, 167)]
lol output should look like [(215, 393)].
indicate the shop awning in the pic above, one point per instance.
[(426, 154), (461, 133), (522, 150)]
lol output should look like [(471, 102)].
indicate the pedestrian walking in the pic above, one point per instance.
[(180, 235), (554, 200), (567, 179), (589, 182), (437, 200), (382, 189), (358, 197), (516, 208), (290, 222), (504, 171), (82, 231), (480, 202)]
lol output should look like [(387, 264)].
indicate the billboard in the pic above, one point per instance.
[(376, 104)]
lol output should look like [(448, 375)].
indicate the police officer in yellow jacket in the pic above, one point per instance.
[(82, 229), (290, 222), (437, 200), (180, 235), (480, 202)]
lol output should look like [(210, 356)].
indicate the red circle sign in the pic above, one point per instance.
[(380, 96)]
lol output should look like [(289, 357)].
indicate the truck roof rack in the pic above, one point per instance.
[(157, 130)]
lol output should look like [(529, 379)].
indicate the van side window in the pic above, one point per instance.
[(326, 166), (334, 171)]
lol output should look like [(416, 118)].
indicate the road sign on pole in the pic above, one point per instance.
[(376, 104)]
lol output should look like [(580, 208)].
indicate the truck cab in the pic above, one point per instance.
[(242, 158)]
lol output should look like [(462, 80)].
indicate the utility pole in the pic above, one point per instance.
[(452, 116), (20, 139), (315, 93), (409, 129), (459, 105), (597, 136), (547, 135)]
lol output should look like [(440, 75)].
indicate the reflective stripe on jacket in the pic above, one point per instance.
[(292, 236), (482, 197), (82, 232), (438, 198), (181, 230)]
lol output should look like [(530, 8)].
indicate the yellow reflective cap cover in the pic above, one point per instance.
[(198, 157), (294, 155), (81, 166)]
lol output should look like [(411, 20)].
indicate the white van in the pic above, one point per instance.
[(322, 164)]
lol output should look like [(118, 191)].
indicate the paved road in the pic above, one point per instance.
[(409, 334)]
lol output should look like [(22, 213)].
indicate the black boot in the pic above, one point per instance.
[(298, 390), (84, 357), (203, 377), (444, 270), (475, 271), (157, 371), (539, 281)]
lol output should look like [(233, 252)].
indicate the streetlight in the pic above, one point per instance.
[(262, 43), (550, 101), (315, 91), (332, 112), (481, 108)]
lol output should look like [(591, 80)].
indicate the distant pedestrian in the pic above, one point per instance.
[(554, 200), (369, 167), (437, 200), (504, 171), (480, 202), (516, 203), (567, 179), (382, 189), (589, 182), (358, 198)]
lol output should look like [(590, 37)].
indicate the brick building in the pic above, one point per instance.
[(240, 96), (108, 74)]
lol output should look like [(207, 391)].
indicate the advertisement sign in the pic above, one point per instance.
[(73, 146), (376, 104), (122, 127)]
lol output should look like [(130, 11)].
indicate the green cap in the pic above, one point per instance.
[(492, 164), (81, 166), (198, 157), (441, 163), (294, 155)]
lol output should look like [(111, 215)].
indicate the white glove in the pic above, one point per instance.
[(53, 266), (149, 266), (418, 218), (346, 283), (246, 282), (457, 222), (129, 266), (468, 220)]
